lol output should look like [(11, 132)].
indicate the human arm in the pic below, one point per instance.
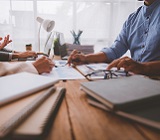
[(7, 68), (145, 68), (78, 58), (7, 56), (24, 54), (40, 66)]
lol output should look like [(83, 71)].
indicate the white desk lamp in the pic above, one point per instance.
[(47, 25)]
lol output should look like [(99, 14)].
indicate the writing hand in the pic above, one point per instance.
[(43, 64), (76, 58)]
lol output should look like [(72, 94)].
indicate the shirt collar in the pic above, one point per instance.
[(148, 9)]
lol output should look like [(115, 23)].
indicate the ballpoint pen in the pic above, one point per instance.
[(40, 53)]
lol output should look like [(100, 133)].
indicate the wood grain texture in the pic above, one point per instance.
[(77, 120), (148, 133), (61, 129)]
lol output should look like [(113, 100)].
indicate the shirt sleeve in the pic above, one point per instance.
[(5, 56), (118, 48), (120, 45), (11, 68)]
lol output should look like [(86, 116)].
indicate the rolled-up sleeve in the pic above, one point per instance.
[(119, 47)]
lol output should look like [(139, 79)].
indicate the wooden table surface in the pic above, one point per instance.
[(77, 120)]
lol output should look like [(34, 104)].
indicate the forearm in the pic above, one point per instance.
[(151, 68), (11, 68), (96, 58)]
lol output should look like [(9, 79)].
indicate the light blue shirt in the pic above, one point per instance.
[(140, 34)]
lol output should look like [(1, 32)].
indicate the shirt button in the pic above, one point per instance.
[(143, 46)]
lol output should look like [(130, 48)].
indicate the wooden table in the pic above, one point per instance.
[(77, 120)]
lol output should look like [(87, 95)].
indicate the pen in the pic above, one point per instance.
[(60, 65), (40, 53)]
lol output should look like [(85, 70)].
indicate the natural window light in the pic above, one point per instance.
[(100, 20)]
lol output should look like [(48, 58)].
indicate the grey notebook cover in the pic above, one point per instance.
[(124, 92)]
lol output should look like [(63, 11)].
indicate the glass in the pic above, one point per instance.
[(108, 74)]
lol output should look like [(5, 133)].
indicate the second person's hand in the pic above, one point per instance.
[(128, 64), (76, 58)]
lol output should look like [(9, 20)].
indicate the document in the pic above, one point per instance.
[(64, 72)]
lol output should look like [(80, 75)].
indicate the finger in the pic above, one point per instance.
[(71, 56), (113, 64), (120, 64)]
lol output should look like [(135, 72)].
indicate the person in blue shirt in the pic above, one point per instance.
[(140, 34)]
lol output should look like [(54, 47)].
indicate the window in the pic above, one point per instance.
[(100, 20)]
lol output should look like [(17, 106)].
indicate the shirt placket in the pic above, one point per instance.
[(145, 34)]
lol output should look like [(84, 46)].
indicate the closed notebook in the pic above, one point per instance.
[(148, 115), (37, 124), (123, 93), (22, 84)]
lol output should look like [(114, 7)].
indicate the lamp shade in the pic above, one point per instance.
[(48, 25)]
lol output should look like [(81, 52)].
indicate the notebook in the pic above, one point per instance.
[(124, 92), (148, 116), (135, 98), (33, 128), (22, 84), (37, 123)]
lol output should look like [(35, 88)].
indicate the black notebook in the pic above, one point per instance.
[(135, 97)]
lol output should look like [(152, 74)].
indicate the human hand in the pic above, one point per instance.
[(24, 54), (43, 64), (76, 58), (128, 64), (5, 42)]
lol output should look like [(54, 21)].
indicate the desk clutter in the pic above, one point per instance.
[(28, 113)]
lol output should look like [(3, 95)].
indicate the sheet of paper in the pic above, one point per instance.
[(64, 72)]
